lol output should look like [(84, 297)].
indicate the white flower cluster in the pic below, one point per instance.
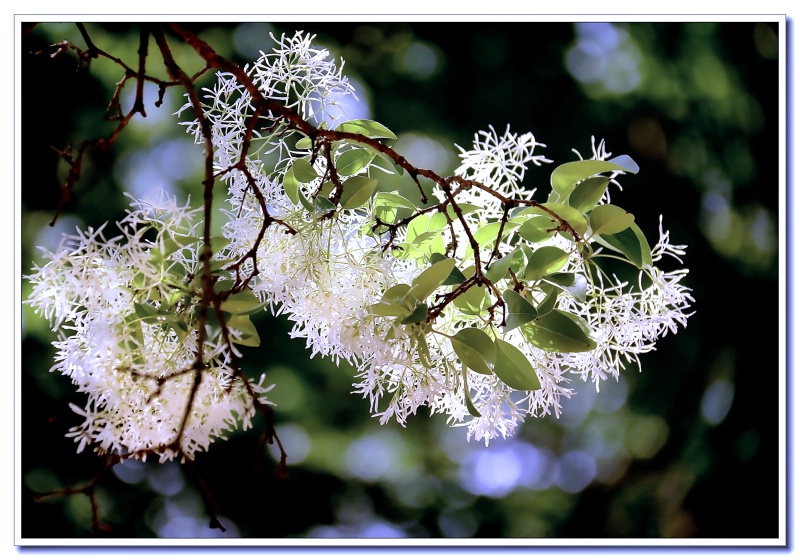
[(357, 290), (330, 273), (128, 337)]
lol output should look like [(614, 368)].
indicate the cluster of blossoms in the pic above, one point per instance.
[(480, 304), (127, 315)]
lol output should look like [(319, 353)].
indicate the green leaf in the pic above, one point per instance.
[(630, 242), (537, 229), (513, 368), (353, 161), (322, 205), (388, 204), (574, 218), (386, 164), (475, 349), (307, 204), (357, 191), (467, 399), (566, 175), (248, 335), (427, 282), (397, 293), (626, 162), (465, 209), (486, 234), (366, 127), (304, 171), (549, 302), (388, 309), (242, 303), (419, 314), (291, 186), (146, 312), (559, 331), (572, 283), (609, 219), (423, 233), (474, 301), (588, 193), (304, 143), (519, 310), (455, 277), (499, 268), (545, 260)]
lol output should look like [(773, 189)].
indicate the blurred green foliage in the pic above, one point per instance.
[(682, 449)]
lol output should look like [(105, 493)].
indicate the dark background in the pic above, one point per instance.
[(688, 447)]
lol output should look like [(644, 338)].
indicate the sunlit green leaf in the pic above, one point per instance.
[(465, 209), (545, 260), (474, 301), (397, 293), (499, 268), (357, 191), (366, 127), (630, 242), (304, 171), (388, 309), (559, 331), (291, 186), (455, 277), (427, 282), (304, 143), (419, 314), (626, 162), (242, 303), (513, 368), (572, 283), (247, 333), (588, 193), (609, 219), (575, 219), (353, 161), (518, 310), (475, 349), (566, 175), (537, 229)]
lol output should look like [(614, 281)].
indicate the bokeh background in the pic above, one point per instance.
[(688, 447)]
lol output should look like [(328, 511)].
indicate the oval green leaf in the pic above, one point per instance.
[(353, 161), (566, 175), (366, 127), (609, 219), (242, 303), (519, 310), (247, 335), (291, 186), (559, 331), (570, 282), (475, 301), (357, 191), (588, 193), (475, 349), (513, 368), (427, 282), (630, 242), (537, 229), (499, 268), (304, 171), (545, 260)]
